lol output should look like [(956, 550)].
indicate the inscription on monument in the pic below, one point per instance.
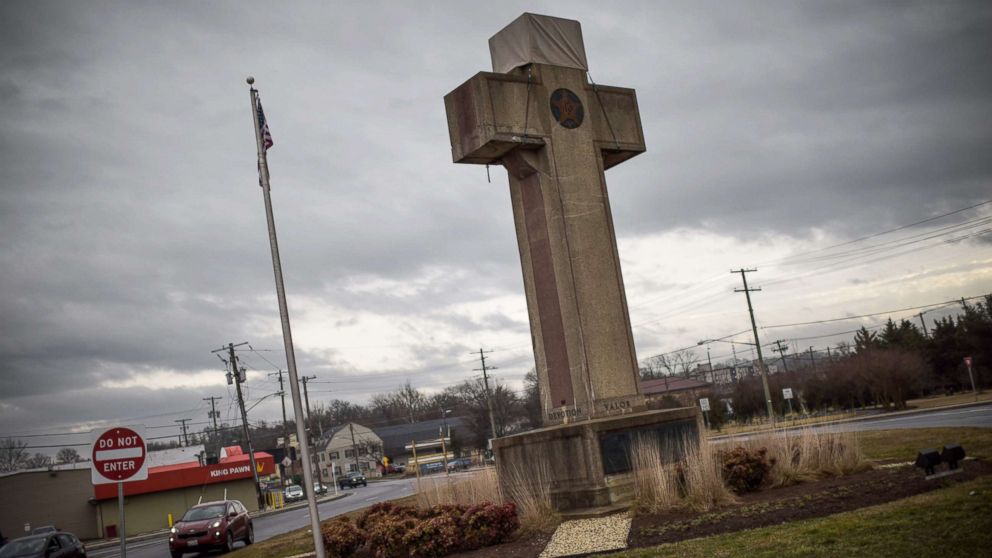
[(559, 415)]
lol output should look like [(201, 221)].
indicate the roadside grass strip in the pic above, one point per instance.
[(582, 536), (954, 521)]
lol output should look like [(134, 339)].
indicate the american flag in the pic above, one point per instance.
[(264, 127)]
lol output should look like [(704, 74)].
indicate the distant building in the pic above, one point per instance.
[(398, 441), (686, 390), (63, 495), (349, 448)]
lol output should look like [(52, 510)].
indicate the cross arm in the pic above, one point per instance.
[(616, 123), (486, 118)]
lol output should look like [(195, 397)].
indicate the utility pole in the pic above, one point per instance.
[(812, 359), (733, 347), (781, 351), (306, 397), (485, 381), (238, 380), (185, 435), (757, 343), (285, 425), (354, 447), (924, 324), (214, 413)]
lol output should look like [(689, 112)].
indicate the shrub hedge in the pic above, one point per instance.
[(745, 470), (389, 531)]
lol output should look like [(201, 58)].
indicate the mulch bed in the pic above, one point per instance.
[(767, 507)]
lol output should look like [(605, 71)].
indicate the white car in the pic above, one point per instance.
[(294, 493)]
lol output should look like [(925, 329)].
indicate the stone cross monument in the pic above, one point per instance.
[(556, 134)]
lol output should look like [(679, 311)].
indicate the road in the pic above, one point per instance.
[(979, 416), (268, 526)]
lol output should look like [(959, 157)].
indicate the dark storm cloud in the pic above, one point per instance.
[(810, 116), (131, 228)]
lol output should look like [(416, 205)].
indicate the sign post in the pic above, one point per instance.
[(787, 395), (704, 404), (118, 456), (971, 376)]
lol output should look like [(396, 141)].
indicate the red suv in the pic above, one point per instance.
[(211, 525)]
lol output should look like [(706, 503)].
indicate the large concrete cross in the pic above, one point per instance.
[(556, 134)]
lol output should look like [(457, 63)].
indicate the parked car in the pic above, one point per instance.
[(319, 488), (44, 529), (352, 480), (211, 525), (428, 468), (459, 464), (57, 544), (294, 493)]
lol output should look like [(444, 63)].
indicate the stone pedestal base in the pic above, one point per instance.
[(587, 464)]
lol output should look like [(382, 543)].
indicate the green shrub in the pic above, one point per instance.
[(745, 470), (430, 538), (341, 538), (488, 524), (387, 536), (388, 530)]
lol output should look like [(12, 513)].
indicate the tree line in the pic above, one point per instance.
[(884, 369)]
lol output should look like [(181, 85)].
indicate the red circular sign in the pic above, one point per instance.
[(118, 454)]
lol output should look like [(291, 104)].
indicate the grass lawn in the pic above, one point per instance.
[(945, 400), (947, 522), (903, 444)]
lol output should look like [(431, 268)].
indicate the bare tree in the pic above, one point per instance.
[(13, 454), (680, 362), (68, 455), (37, 461)]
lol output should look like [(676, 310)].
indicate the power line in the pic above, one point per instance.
[(945, 303), (899, 228)]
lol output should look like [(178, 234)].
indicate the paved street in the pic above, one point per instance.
[(978, 416), (268, 526)]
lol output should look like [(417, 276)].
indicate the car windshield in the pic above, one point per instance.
[(23, 547), (206, 512), (295, 489)]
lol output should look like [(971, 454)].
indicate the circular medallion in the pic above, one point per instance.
[(567, 108)]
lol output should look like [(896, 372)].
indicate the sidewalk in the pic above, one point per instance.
[(97, 544)]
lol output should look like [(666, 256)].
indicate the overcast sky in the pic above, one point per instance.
[(132, 230)]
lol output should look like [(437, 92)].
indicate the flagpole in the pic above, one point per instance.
[(287, 335)]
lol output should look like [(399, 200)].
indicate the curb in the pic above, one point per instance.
[(106, 543), (908, 412)]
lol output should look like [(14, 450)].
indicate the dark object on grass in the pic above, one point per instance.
[(927, 459), (951, 455)]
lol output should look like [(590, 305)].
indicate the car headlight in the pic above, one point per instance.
[(173, 530), (215, 524)]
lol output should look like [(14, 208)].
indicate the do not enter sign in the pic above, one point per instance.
[(119, 455)]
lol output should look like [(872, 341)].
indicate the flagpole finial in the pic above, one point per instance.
[(250, 80)]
